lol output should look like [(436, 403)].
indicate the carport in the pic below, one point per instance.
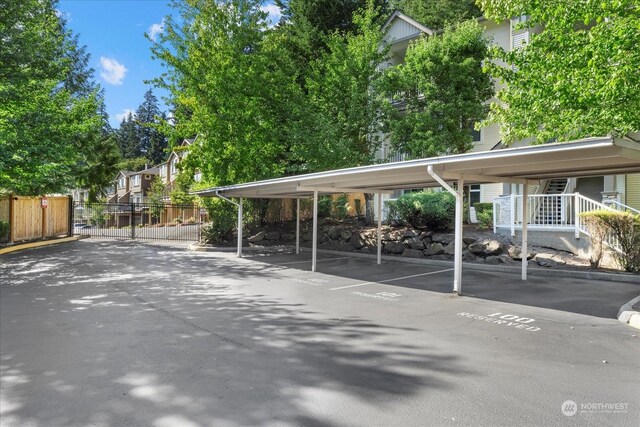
[(521, 166)]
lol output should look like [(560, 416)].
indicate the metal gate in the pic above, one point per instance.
[(160, 221)]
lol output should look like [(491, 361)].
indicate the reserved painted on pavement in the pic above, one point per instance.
[(508, 320), (384, 296)]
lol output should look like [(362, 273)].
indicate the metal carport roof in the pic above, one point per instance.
[(592, 156), (524, 165)]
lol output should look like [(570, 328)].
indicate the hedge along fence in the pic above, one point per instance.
[(25, 218), (622, 226)]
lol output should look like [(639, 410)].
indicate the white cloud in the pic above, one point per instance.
[(112, 72), (156, 29), (120, 116), (274, 13)]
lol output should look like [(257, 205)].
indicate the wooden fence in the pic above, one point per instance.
[(29, 219)]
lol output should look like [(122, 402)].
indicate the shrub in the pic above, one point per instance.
[(223, 220), (623, 226), (432, 210), (482, 207), (485, 219), (358, 207), (4, 231), (341, 206), (325, 204)]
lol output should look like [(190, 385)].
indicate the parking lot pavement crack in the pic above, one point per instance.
[(185, 321)]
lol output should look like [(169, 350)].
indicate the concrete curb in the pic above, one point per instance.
[(628, 315), (38, 244), (590, 275)]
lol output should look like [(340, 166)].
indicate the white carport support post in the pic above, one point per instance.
[(457, 259), (379, 228), (314, 249), (525, 221), (297, 226), (240, 227)]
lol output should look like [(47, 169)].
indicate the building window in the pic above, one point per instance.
[(197, 177), (135, 180), (121, 183), (474, 194), (174, 166)]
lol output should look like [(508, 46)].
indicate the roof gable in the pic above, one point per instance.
[(402, 27)]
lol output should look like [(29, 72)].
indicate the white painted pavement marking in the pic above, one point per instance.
[(319, 260), (392, 280)]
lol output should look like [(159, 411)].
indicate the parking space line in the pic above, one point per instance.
[(302, 262), (392, 280)]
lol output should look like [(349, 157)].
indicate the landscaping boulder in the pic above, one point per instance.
[(393, 248), (413, 253), (307, 237), (287, 236), (486, 247), (546, 260), (334, 233), (494, 260), (416, 243), (257, 237), (515, 252), (345, 234), (435, 248), (450, 248), (469, 240), (468, 257), (272, 235), (357, 241), (409, 234), (444, 238)]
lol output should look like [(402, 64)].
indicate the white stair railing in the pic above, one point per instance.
[(614, 204), (585, 204)]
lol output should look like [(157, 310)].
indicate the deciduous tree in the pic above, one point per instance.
[(578, 75)]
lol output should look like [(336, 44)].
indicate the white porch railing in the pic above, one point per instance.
[(614, 204), (559, 212)]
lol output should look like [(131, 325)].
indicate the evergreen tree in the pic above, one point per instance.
[(127, 136), (152, 142)]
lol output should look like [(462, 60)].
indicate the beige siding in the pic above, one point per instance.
[(499, 33), (490, 136), (632, 188), (401, 29), (490, 191), (620, 181)]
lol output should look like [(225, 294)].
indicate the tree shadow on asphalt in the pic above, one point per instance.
[(124, 336), (596, 298)]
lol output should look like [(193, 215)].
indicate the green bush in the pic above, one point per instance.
[(341, 207), (482, 207), (325, 205), (624, 226), (432, 210), (224, 219), (485, 219), (4, 231)]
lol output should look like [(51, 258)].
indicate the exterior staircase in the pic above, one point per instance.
[(549, 210)]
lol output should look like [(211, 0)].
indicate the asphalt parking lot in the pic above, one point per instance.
[(107, 333)]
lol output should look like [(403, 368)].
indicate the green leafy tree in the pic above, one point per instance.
[(443, 90), (49, 114), (578, 75), (343, 105), (135, 164), (155, 198), (435, 14), (233, 86)]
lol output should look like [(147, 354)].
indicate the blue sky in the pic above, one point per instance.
[(113, 31)]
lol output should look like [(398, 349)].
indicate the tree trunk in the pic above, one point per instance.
[(368, 208)]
